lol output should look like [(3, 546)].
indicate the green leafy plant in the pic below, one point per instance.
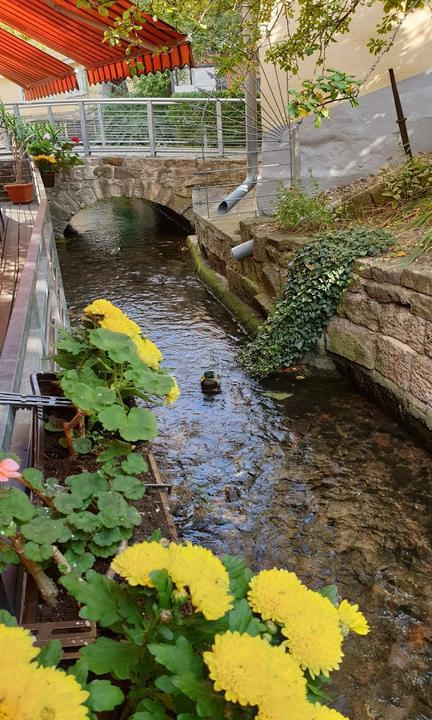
[(316, 95), (19, 134), (317, 277), (295, 209), (190, 636), (104, 369), (71, 525), (410, 181)]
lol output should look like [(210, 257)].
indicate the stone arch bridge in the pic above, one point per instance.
[(168, 182)]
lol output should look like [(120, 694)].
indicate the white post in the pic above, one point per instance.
[(219, 128), (151, 129), (83, 126)]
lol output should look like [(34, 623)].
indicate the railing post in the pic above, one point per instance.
[(219, 128), (101, 123), (50, 114), (151, 128), (15, 110), (83, 127), (295, 157)]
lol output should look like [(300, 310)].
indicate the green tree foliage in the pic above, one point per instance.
[(313, 27)]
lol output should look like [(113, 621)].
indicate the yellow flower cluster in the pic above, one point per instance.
[(190, 567), (29, 692), (313, 626), (250, 671), (110, 317), (49, 158)]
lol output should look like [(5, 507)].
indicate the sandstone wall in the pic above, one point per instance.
[(382, 333)]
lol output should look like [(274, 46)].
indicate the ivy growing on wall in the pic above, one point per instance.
[(317, 278)]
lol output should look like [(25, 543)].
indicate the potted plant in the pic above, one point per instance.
[(51, 152), (18, 134)]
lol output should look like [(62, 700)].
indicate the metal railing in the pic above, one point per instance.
[(153, 126)]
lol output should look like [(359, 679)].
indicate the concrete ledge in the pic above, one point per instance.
[(247, 317)]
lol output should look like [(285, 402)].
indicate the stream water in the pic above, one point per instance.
[(322, 482)]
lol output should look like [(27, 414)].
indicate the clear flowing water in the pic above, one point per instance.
[(322, 482)]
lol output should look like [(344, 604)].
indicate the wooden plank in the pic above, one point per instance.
[(163, 495)]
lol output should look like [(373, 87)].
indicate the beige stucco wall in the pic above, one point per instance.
[(9, 92), (410, 55)]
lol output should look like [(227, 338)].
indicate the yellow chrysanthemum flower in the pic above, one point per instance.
[(314, 634), (252, 672), (137, 562), (352, 618), (275, 594), (112, 318), (173, 394), (28, 692), (148, 352), (321, 712), (121, 324), (16, 644), (197, 569)]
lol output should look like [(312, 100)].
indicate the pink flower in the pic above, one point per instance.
[(47, 136), (75, 139), (8, 470)]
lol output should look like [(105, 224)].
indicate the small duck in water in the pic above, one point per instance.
[(210, 383)]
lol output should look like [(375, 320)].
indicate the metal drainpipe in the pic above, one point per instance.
[(251, 132)]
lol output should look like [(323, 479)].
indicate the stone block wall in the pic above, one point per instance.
[(383, 334), (257, 279)]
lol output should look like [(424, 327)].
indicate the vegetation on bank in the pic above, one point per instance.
[(317, 277)]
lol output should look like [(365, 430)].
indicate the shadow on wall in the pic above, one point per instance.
[(356, 142)]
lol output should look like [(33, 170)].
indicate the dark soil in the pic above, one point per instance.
[(53, 460)]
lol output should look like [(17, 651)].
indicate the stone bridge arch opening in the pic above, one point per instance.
[(166, 182)]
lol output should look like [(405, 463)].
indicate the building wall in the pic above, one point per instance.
[(356, 141)]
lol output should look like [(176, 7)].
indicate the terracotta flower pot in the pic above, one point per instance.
[(48, 179), (20, 192)]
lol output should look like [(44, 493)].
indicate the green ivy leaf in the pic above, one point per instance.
[(134, 464), (119, 347), (107, 656), (34, 478), (38, 553), (140, 424), (79, 562), (67, 502), (130, 487), (108, 536), (106, 551), (85, 520), (112, 417), (150, 381), (86, 485), (115, 511), (178, 658), (14, 503), (67, 342), (103, 695), (51, 654), (82, 445), (52, 531)]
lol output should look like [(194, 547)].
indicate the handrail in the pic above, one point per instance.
[(151, 126)]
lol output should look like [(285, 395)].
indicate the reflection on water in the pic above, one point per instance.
[(323, 482)]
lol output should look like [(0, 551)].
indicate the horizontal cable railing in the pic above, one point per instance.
[(154, 126)]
